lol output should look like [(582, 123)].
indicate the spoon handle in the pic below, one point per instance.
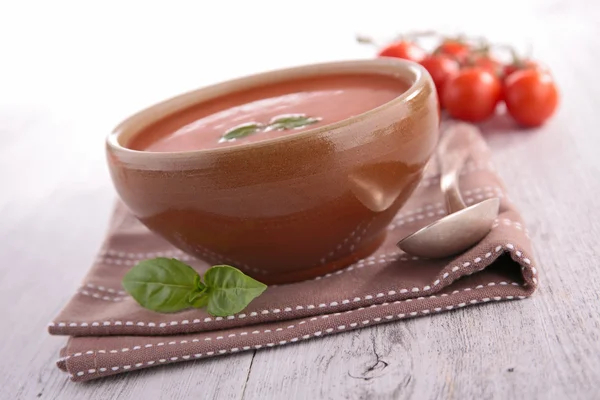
[(453, 151)]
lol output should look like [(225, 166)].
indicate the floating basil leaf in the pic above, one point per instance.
[(230, 290), (162, 284), (291, 121), (242, 131)]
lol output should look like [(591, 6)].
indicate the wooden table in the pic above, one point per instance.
[(69, 72)]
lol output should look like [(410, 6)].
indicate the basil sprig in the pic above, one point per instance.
[(280, 122), (167, 285), (243, 130), (291, 121)]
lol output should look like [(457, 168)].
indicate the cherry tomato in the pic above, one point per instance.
[(531, 96), (489, 63), (472, 94), (404, 49), (519, 65), (457, 49), (441, 67)]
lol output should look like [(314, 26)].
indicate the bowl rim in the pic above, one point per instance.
[(417, 74)]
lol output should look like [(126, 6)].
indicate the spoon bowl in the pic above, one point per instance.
[(453, 233)]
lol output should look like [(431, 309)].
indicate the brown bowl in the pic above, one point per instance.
[(289, 208)]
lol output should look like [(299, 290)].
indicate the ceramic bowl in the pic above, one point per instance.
[(290, 208)]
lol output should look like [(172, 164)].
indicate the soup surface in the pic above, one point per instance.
[(268, 112)]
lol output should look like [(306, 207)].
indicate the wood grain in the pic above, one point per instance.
[(57, 104)]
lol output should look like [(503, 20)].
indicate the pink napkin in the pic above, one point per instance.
[(109, 333)]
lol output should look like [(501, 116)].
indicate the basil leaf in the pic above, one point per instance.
[(241, 131), (229, 290), (162, 284), (292, 121)]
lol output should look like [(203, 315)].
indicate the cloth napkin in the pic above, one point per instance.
[(110, 333)]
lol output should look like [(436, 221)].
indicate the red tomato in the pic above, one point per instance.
[(404, 49), (472, 94), (489, 63), (441, 67), (531, 96), (519, 65), (457, 49)]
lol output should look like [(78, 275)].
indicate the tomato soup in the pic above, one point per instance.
[(268, 112)]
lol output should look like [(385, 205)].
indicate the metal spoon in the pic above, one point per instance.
[(463, 226)]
